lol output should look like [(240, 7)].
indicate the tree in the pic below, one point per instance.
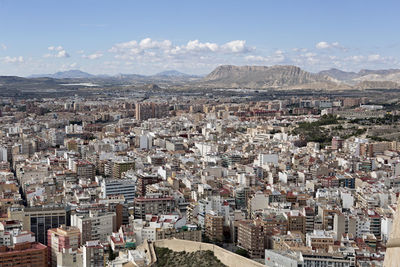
[(242, 252)]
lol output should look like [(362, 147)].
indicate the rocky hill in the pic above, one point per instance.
[(339, 74), (264, 77), (390, 75), (202, 258), (292, 77), (69, 74)]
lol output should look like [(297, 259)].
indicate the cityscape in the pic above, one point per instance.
[(198, 153)]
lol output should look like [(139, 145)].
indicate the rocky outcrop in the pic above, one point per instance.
[(339, 74), (262, 77)]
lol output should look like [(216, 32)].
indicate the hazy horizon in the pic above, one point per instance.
[(102, 37)]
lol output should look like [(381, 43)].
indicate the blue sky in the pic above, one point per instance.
[(146, 37)]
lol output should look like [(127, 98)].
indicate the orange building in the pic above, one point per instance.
[(24, 254)]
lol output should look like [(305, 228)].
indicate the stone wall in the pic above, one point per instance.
[(392, 257), (226, 257)]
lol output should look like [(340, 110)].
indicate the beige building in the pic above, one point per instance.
[(320, 240), (213, 225), (62, 239), (95, 225)]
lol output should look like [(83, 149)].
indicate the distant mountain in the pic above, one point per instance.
[(379, 72), (172, 73), (339, 74), (225, 76), (263, 77), (377, 85), (390, 75), (69, 74)]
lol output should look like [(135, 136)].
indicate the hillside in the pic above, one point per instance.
[(263, 77), (339, 74), (389, 75), (70, 74), (202, 258)]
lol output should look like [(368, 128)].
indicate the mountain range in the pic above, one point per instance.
[(286, 77), (78, 74), (292, 77)]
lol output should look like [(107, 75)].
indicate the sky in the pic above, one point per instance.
[(146, 37)]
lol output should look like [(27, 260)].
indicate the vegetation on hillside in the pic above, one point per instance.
[(316, 132), (202, 258), (313, 132)]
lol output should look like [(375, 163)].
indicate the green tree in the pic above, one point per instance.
[(242, 252)]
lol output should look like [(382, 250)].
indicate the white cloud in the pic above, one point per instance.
[(8, 59), (155, 50), (196, 45), (299, 49), (310, 54), (322, 45), (375, 57), (237, 46), (3, 47), (326, 45), (278, 57), (356, 58), (148, 43), (57, 52), (133, 48), (256, 58), (69, 66), (93, 56)]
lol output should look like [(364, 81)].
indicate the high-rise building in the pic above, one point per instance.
[(84, 168), (310, 218), (146, 111), (153, 204), (327, 218), (3, 154), (40, 219), (144, 180), (125, 187), (214, 226), (296, 221), (242, 196), (119, 167), (62, 238), (93, 254), (94, 225), (251, 237), (344, 224)]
